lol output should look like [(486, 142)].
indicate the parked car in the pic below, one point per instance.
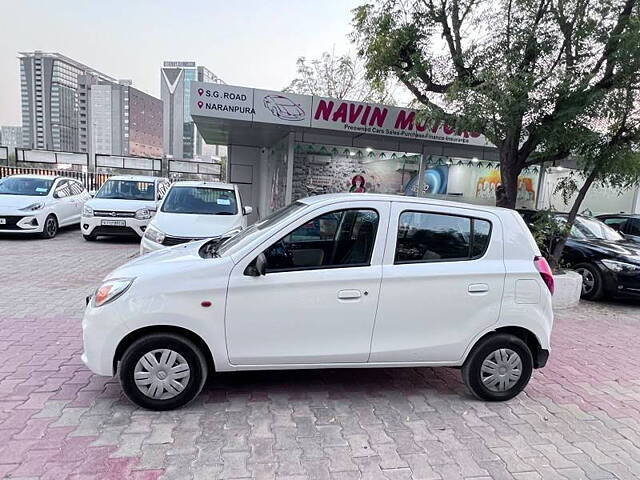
[(40, 204), (377, 281), (195, 211), (608, 262), (123, 206), (625, 223)]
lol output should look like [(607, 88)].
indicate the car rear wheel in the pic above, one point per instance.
[(50, 228), (162, 371), (592, 285), (498, 368)]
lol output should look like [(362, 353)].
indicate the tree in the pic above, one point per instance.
[(338, 76), (609, 154), (525, 73)]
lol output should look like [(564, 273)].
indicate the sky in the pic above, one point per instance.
[(250, 43)]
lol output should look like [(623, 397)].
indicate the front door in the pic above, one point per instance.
[(317, 302), (443, 278)]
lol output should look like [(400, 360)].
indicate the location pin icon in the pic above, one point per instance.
[(200, 103), (200, 91)]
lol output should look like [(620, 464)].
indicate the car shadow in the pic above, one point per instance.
[(62, 231)]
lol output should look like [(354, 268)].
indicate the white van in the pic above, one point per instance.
[(195, 211), (332, 281)]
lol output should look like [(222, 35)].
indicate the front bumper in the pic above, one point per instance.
[(618, 284), (102, 330), (23, 222), (99, 226), (147, 246)]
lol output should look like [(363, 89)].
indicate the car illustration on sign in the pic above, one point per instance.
[(283, 108)]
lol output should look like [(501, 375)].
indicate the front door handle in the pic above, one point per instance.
[(478, 288), (349, 294)]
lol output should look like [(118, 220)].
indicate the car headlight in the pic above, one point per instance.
[(621, 267), (87, 211), (33, 207), (143, 214), (110, 290), (154, 234)]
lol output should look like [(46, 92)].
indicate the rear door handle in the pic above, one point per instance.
[(478, 288), (349, 294)]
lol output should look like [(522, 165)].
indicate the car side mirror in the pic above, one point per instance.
[(55, 195), (92, 193), (258, 267), (247, 210)]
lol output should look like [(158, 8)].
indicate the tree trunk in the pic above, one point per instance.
[(573, 213), (509, 171)]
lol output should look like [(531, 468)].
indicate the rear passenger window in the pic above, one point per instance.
[(432, 237)]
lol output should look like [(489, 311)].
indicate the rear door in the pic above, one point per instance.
[(442, 283)]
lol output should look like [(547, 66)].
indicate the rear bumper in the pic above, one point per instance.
[(540, 358)]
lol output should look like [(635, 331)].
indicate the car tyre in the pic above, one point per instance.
[(498, 368), (592, 282), (154, 384), (89, 238), (50, 228)]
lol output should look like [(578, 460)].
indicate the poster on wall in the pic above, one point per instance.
[(436, 180)]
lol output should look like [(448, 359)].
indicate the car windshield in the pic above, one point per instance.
[(127, 190), (589, 229), (200, 201), (263, 224), (38, 187)]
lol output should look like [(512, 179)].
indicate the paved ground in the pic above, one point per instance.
[(579, 418)]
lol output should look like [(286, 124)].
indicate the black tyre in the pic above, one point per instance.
[(498, 368), (592, 284), (50, 228), (89, 238), (162, 371)]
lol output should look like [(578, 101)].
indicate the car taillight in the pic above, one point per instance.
[(545, 272)]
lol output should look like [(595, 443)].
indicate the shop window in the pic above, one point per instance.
[(433, 237), (344, 238)]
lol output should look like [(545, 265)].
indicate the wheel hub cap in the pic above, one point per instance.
[(501, 370), (588, 280), (162, 374)]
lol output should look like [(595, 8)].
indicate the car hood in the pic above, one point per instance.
[(172, 259), (120, 205), (620, 248), (195, 226), (19, 201)]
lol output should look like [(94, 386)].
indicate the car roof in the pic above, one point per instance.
[(384, 197), (203, 183), (137, 178), (41, 177)]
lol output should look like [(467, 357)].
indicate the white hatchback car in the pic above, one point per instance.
[(40, 204), (195, 211), (331, 281), (123, 206)]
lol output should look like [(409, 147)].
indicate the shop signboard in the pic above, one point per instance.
[(266, 106), (222, 101)]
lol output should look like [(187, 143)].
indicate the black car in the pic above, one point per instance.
[(608, 261), (627, 224)]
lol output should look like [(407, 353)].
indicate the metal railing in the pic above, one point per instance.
[(91, 181)]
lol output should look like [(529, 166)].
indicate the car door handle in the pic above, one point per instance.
[(349, 294), (478, 288)]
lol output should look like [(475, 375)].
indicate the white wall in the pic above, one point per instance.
[(598, 200), (245, 171)]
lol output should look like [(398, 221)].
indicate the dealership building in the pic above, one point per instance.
[(285, 146)]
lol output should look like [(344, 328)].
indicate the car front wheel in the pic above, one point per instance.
[(50, 228), (498, 368), (162, 371), (592, 284)]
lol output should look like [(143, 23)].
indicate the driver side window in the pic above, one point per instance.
[(344, 238)]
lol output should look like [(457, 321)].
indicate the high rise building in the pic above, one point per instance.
[(11, 137), (52, 113), (181, 137), (124, 120)]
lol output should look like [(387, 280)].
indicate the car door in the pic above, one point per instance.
[(65, 205), (442, 283), (316, 303), (78, 194)]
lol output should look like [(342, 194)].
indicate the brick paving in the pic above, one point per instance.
[(578, 419)]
